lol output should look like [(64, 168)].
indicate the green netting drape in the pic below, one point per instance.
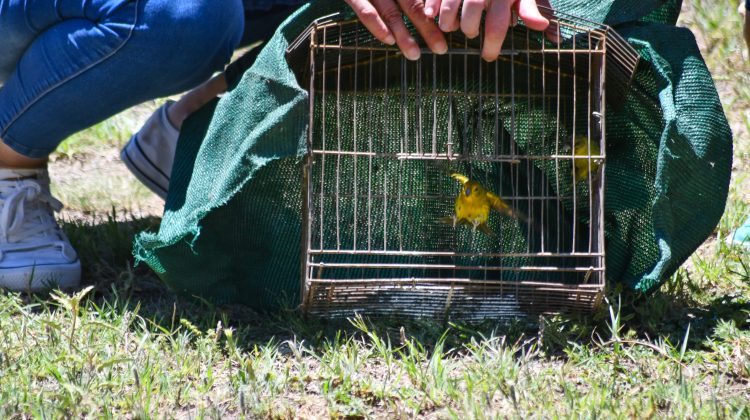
[(231, 224)]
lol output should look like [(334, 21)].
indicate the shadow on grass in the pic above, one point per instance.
[(105, 248), (665, 315)]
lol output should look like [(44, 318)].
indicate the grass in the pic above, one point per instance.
[(127, 347), (70, 356), (110, 133)]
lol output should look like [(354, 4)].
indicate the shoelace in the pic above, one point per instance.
[(25, 219)]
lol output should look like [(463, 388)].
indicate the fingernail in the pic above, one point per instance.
[(428, 12), (412, 53), (440, 47), (389, 39)]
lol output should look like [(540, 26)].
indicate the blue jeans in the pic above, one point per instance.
[(68, 64)]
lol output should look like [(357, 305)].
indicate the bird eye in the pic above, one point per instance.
[(468, 191)]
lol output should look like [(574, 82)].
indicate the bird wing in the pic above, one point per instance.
[(460, 178), (497, 203)]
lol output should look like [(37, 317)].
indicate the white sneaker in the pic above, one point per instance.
[(149, 154), (35, 254)]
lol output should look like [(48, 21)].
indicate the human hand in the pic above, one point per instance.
[(384, 19), (496, 22)]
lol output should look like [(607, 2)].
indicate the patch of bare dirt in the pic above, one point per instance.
[(96, 185)]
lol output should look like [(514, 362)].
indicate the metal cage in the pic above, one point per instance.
[(385, 134)]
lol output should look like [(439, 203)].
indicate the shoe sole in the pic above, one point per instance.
[(147, 176), (41, 278)]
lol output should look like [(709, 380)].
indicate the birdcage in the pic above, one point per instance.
[(380, 232)]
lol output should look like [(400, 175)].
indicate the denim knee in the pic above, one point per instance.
[(191, 39), (155, 48)]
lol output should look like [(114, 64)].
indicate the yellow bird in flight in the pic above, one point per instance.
[(473, 205)]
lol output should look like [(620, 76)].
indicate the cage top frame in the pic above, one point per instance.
[(622, 59)]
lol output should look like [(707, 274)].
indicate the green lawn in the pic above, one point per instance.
[(127, 347)]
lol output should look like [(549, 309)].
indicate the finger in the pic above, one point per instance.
[(448, 19), (391, 15), (431, 8), (495, 27), (553, 30), (454, 27), (528, 11), (471, 16), (370, 17), (426, 26)]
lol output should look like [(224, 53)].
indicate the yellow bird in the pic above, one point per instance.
[(473, 205), (585, 148)]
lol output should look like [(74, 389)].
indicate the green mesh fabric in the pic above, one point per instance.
[(232, 222), (399, 202), (616, 12)]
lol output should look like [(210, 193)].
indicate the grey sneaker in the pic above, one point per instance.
[(34, 253), (149, 154)]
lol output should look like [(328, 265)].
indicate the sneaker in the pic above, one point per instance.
[(149, 154), (35, 254)]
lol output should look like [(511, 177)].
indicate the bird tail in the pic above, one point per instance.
[(486, 230), (450, 220)]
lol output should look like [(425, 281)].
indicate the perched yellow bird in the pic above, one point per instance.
[(473, 205), (585, 148)]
